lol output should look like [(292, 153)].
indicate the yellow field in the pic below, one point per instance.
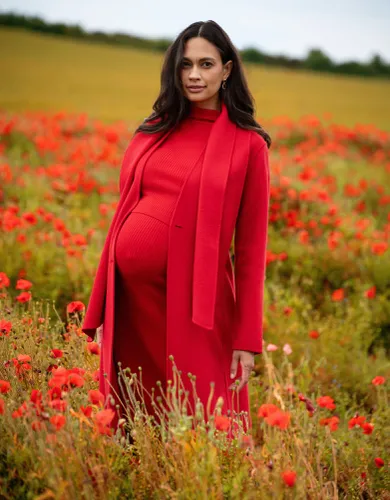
[(108, 82)]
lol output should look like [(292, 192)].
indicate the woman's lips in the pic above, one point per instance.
[(195, 89)]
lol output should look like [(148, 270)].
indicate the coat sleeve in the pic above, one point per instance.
[(250, 242)]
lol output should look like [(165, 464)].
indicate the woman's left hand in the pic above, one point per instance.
[(247, 360)]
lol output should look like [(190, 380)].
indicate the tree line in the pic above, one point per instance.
[(316, 59)]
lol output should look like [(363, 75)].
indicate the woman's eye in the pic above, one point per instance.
[(185, 63)]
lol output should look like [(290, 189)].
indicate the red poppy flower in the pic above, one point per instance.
[(338, 295), (356, 421), (370, 293), (5, 386), (367, 428), (279, 419), (87, 410), (75, 306), (266, 409), (75, 380), (23, 284), (102, 419), (5, 327), (56, 353), (58, 404), (4, 280), (222, 423), (95, 397), (58, 421), (289, 477), (326, 402), (378, 380), (24, 297), (93, 347)]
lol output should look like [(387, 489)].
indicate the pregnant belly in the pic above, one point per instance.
[(141, 248)]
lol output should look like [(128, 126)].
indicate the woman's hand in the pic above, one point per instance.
[(247, 360)]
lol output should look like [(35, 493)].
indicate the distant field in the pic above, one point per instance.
[(51, 74)]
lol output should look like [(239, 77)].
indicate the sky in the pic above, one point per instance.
[(343, 29)]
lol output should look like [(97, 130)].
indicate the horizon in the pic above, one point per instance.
[(364, 32)]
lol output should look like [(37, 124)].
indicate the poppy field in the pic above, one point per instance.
[(319, 391)]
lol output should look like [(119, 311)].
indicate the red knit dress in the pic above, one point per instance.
[(142, 245)]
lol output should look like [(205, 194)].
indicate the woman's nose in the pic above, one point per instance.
[(194, 73)]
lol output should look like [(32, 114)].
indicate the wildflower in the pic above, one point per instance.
[(60, 377), (36, 396), (379, 248), (23, 284), (289, 477), (367, 428), (326, 402), (24, 358), (338, 295), (58, 404), (20, 411), (4, 280), (370, 293), (272, 347), (93, 348), (2, 406), (378, 380), (24, 297), (56, 353), (102, 420), (75, 306), (314, 334), (75, 380), (309, 405), (95, 397), (356, 421), (58, 421), (30, 217), (331, 422), (221, 422), (87, 410), (5, 386), (287, 349), (266, 409), (5, 327), (379, 462), (279, 419)]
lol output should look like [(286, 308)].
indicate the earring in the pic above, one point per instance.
[(224, 84)]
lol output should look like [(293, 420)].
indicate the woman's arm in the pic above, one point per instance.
[(250, 243)]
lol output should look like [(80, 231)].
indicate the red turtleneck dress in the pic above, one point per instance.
[(141, 250)]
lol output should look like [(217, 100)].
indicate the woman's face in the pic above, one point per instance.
[(202, 67)]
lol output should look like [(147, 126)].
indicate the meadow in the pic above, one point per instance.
[(47, 73), (319, 391)]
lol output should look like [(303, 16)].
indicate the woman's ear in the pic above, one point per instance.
[(227, 69)]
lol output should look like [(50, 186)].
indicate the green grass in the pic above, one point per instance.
[(48, 73)]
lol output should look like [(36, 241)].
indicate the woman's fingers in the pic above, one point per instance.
[(246, 359)]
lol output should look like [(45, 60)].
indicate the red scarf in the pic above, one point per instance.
[(214, 175)]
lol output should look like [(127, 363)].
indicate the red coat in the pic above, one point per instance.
[(210, 309)]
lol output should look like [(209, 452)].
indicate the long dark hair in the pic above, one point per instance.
[(171, 106)]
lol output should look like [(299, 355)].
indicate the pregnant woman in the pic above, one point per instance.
[(194, 178)]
